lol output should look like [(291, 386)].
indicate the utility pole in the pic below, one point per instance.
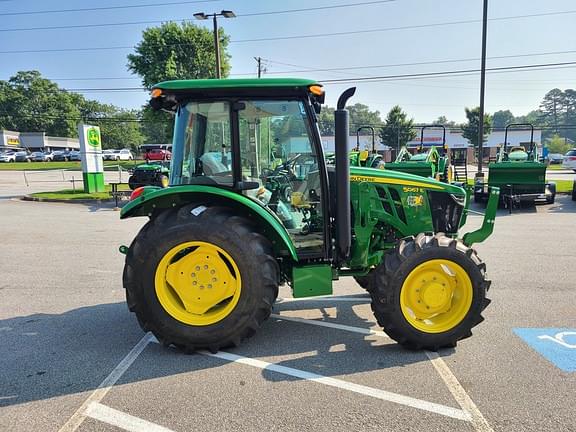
[(482, 87), (261, 68)]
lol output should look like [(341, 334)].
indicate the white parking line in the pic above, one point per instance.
[(80, 415), (466, 403), (332, 325), (356, 388), (122, 420)]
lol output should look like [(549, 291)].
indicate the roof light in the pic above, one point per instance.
[(316, 89), (200, 16), (156, 92), (228, 14)]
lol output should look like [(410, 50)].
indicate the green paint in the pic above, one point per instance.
[(239, 83), (487, 227), (519, 177), (93, 182), (312, 280), (185, 194)]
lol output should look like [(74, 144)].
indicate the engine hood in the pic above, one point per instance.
[(374, 175)]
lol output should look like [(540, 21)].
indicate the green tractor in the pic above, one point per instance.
[(236, 223), (155, 173), (425, 163), (369, 158), (518, 173)]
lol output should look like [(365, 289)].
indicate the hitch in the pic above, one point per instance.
[(487, 227)]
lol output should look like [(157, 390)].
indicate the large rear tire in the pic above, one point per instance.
[(429, 292), (200, 277)]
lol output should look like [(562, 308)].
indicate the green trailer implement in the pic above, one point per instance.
[(432, 162), (518, 173), (252, 205)]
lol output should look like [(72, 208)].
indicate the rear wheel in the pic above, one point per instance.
[(200, 278), (133, 184), (363, 281), (162, 181), (429, 292)]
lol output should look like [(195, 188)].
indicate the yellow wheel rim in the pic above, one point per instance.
[(436, 296), (164, 181), (198, 283)]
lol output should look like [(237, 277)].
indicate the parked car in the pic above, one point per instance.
[(21, 156), (116, 154), (38, 156), (157, 155), (555, 158), (7, 157), (74, 156), (569, 161), (61, 156)]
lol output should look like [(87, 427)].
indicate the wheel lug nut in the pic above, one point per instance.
[(193, 275), (209, 285), (197, 267), (194, 283), (214, 280), (212, 271), (205, 267)]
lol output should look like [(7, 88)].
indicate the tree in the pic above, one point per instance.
[(502, 118), (442, 120), (557, 145), (326, 121), (177, 51), (31, 103), (360, 115), (470, 129), (552, 107), (397, 129)]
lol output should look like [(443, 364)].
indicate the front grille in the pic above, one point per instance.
[(446, 212)]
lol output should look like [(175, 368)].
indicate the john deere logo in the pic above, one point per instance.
[(93, 135)]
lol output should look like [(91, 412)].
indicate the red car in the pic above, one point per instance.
[(158, 155)]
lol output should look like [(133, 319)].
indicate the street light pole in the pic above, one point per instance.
[(217, 47), (204, 16), (482, 87)]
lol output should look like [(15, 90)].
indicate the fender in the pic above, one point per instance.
[(154, 198)]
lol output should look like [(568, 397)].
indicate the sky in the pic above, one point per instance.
[(384, 38)]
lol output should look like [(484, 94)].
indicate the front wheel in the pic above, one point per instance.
[(200, 277), (429, 292)]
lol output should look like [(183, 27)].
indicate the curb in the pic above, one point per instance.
[(76, 201)]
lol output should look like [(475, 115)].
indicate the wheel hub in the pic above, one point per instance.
[(436, 296), (197, 283)]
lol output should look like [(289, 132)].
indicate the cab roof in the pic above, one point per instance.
[(235, 83)]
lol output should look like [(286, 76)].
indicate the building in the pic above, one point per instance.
[(35, 141)]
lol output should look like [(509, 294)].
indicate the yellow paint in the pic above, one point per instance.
[(357, 178), (198, 283), (436, 296)]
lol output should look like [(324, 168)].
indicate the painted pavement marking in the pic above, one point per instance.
[(557, 345)]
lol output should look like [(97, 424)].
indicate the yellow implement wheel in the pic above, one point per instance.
[(436, 296), (198, 283)]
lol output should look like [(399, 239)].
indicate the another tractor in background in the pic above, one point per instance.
[(518, 173)]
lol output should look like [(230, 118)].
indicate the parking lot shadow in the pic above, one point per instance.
[(43, 356)]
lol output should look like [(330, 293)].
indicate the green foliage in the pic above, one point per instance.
[(177, 51), (326, 121), (558, 144), (360, 115), (397, 129), (442, 120), (30, 103), (470, 129), (502, 118)]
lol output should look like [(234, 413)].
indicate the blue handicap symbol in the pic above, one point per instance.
[(557, 345)]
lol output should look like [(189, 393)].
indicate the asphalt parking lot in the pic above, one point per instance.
[(73, 358)]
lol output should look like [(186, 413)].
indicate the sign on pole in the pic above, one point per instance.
[(91, 155)]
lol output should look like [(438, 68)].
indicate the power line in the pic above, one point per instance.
[(422, 75), (471, 21), (105, 8), (314, 8)]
